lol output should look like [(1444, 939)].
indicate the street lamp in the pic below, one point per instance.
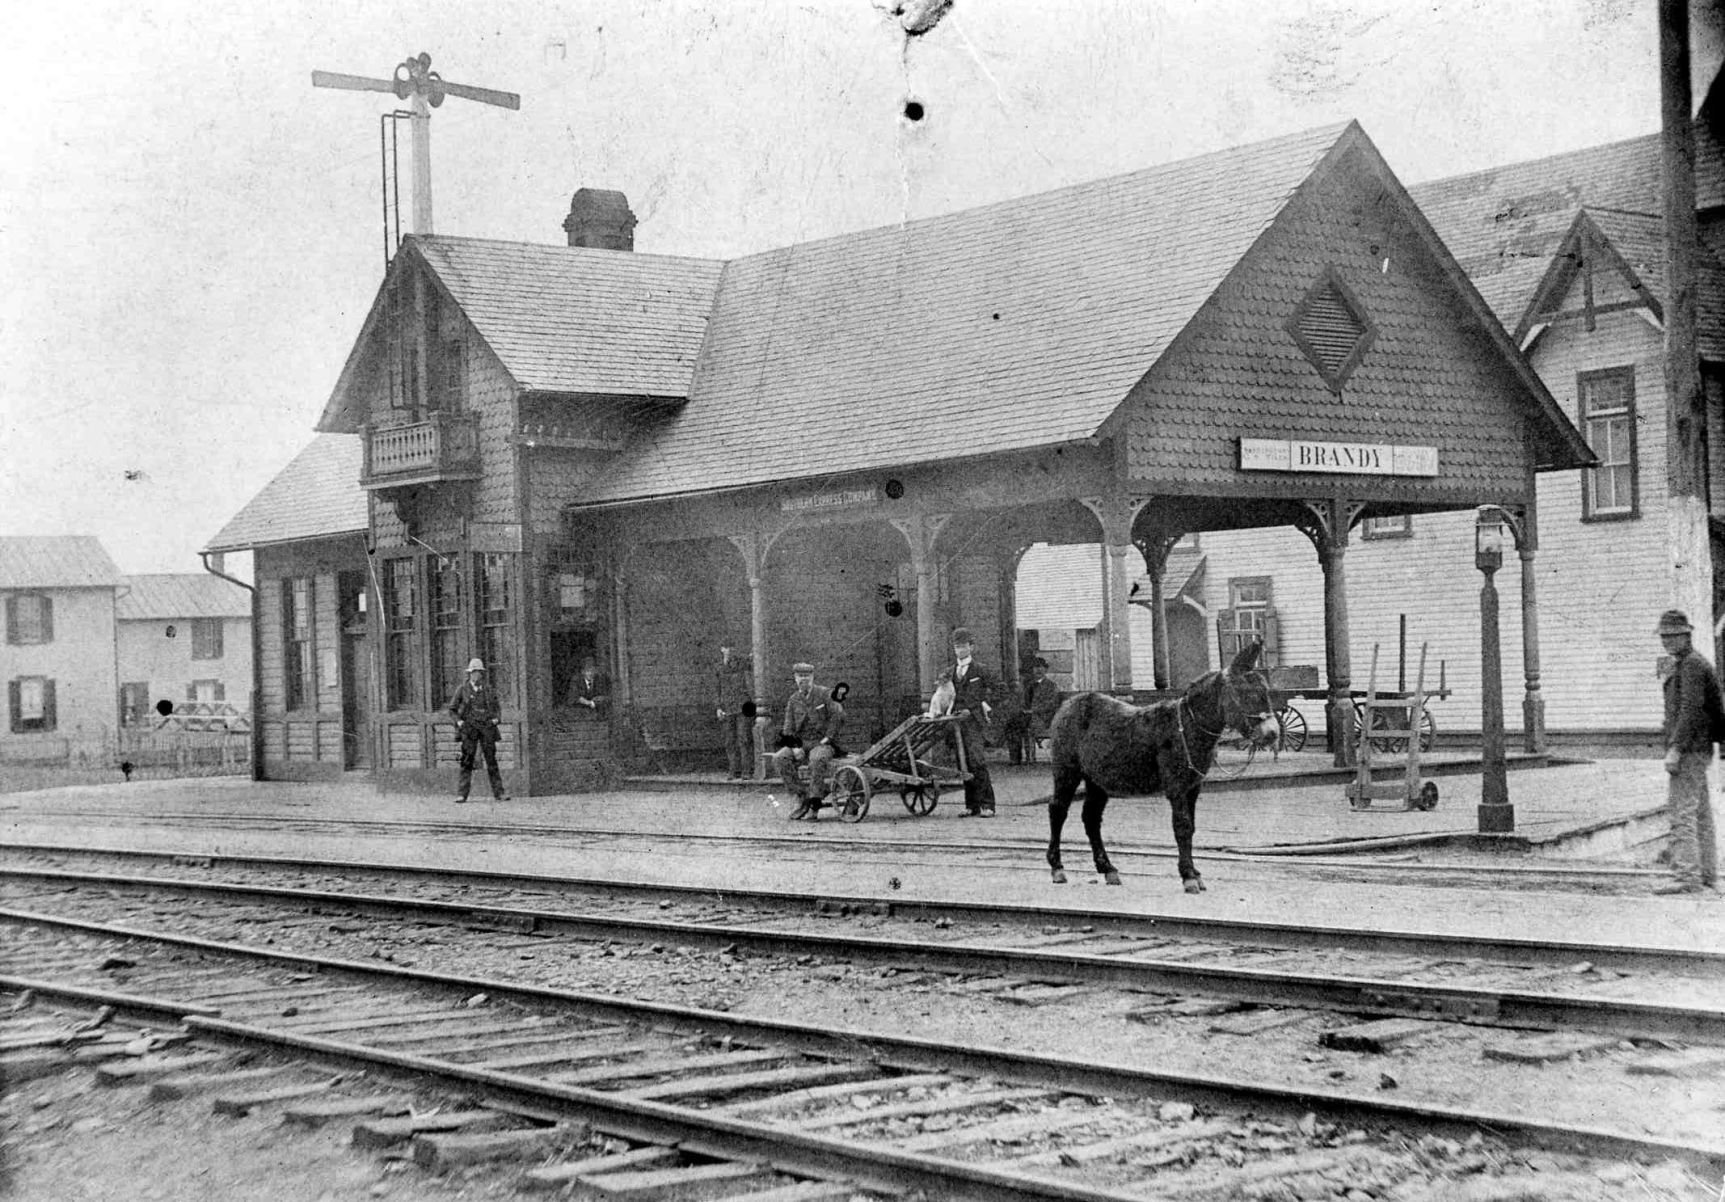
[(1496, 814)]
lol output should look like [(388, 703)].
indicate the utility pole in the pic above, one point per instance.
[(415, 79), (1688, 549)]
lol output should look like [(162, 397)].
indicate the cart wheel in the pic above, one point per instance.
[(1428, 796), (920, 799), (851, 792), (1292, 725)]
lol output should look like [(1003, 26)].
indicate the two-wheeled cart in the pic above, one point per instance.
[(1391, 712), (903, 758)]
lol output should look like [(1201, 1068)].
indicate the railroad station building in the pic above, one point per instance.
[(839, 450)]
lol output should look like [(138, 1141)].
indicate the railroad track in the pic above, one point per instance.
[(1645, 999), (752, 1106)]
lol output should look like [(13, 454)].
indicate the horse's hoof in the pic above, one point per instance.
[(1111, 877), (1059, 877), (1194, 886)]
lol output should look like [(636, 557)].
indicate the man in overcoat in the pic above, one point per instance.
[(1041, 699), (810, 732), (973, 702), (477, 709), (733, 700), (1694, 721)]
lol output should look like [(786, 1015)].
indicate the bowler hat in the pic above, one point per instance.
[(803, 669), (476, 665), (1674, 621), (962, 635)]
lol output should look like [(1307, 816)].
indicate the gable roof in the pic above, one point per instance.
[(1014, 325), (182, 595), (55, 561), (314, 496), (561, 319)]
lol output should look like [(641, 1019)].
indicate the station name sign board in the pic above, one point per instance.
[(1348, 458), (821, 501)]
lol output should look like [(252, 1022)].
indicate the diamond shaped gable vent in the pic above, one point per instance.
[(1332, 329)]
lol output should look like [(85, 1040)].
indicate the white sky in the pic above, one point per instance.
[(190, 234)]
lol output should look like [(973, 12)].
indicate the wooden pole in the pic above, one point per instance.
[(1687, 545)]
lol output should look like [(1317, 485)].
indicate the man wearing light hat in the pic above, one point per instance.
[(1694, 721), (810, 732), (476, 711)]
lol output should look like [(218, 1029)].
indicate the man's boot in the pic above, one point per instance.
[(802, 810)]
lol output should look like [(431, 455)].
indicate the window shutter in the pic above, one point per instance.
[(1225, 635), (14, 700), (191, 692), (1271, 657), (221, 691), (47, 705), (47, 619), (12, 632)]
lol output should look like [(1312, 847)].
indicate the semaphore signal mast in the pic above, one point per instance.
[(415, 80)]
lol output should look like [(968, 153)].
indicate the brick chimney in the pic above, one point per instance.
[(599, 217)]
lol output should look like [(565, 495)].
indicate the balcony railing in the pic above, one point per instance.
[(443, 447)]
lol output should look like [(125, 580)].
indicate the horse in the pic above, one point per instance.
[(1114, 747)]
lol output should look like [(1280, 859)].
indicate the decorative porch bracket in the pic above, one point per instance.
[(1327, 521), (921, 531), (1116, 514)]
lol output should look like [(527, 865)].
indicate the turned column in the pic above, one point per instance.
[(1327, 522)]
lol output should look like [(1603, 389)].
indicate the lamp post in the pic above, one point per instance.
[(1496, 814)]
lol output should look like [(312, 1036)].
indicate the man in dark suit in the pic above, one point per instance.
[(591, 691), (973, 701), (733, 699), (1041, 699), (477, 709), (810, 732)]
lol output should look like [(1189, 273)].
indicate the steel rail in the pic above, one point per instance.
[(1481, 1005), (924, 1055), (1700, 962)]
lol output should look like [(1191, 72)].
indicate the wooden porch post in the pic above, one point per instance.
[(1116, 515), (1008, 563), (1521, 522), (754, 547), (1326, 523), (921, 532), (1156, 548)]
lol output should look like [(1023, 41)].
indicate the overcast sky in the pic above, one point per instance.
[(190, 234)]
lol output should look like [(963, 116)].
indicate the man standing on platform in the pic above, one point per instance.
[(1041, 699), (476, 711), (1694, 721), (973, 703), (733, 698), (810, 732)]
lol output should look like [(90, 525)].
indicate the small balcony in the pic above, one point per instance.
[(442, 447)]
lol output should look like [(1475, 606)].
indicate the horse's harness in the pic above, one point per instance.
[(1180, 725)]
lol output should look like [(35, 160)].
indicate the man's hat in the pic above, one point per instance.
[(962, 635), (803, 669), (1039, 663), (1674, 621), (476, 665)]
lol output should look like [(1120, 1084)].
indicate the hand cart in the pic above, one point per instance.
[(1393, 712), (902, 758)]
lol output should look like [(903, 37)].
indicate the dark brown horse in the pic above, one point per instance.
[(1113, 747)]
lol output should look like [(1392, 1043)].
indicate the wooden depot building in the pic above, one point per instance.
[(839, 450)]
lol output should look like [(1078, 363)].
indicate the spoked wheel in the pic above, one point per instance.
[(1291, 724), (851, 793), (920, 799), (1394, 739)]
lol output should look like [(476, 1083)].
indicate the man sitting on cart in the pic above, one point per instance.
[(809, 734)]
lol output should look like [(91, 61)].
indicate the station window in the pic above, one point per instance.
[(29, 618), (135, 703), (1607, 406), (400, 650), (446, 661), (1249, 618), (31, 703), (206, 638), (495, 596), (299, 670), (1399, 525)]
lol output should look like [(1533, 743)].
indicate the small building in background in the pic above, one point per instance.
[(57, 659), (184, 638)]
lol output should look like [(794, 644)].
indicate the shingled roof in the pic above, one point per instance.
[(314, 496), (55, 561), (182, 595), (1014, 325)]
